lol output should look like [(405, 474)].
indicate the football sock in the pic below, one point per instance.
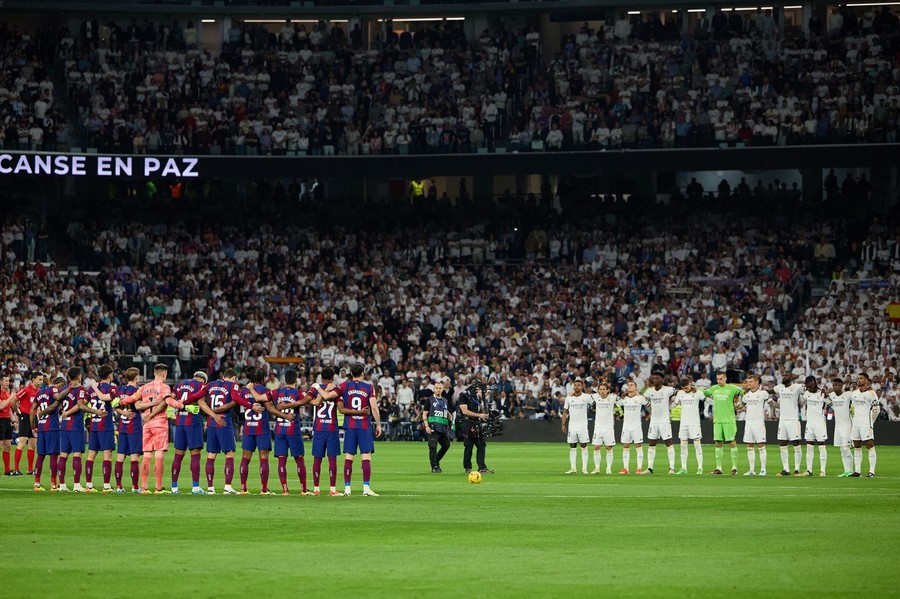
[(348, 471), (847, 459), (61, 469), (76, 469), (282, 472), (584, 458), (651, 456), (810, 454), (751, 459), (367, 472), (762, 459), (210, 471), (88, 471), (626, 457), (670, 453), (176, 468), (720, 453), (734, 454), (301, 471), (54, 458), (6, 461), (609, 460), (823, 457), (785, 463), (145, 472), (38, 469), (698, 449), (195, 469), (264, 473), (798, 455), (857, 459), (158, 467), (597, 459), (332, 470), (245, 472), (640, 458), (872, 459), (317, 471), (572, 458), (31, 459), (229, 470), (17, 458), (135, 475), (684, 454), (119, 473), (107, 471)]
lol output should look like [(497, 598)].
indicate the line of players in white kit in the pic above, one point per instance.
[(854, 414)]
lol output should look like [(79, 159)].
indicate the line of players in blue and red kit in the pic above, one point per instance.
[(62, 406)]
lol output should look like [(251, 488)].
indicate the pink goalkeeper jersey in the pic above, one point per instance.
[(149, 392)]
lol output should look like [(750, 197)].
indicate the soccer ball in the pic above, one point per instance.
[(474, 477)]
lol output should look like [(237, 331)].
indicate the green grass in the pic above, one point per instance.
[(526, 531)]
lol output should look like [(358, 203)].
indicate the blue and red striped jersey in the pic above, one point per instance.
[(188, 392), (255, 423), (129, 426), (104, 423), (325, 415), (43, 400), (73, 422), (356, 395), (286, 395)]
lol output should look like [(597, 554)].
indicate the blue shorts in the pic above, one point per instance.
[(285, 442), (254, 442), (188, 437), (71, 441), (101, 440), (326, 442), (359, 438), (220, 440), (47, 442), (130, 443)]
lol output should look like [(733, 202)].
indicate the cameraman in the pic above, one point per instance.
[(472, 413), (437, 414)]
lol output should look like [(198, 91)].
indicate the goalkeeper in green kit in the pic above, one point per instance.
[(185, 404), (725, 403)]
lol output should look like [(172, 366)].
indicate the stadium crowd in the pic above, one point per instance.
[(737, 79), (620, 298), (31, 116)]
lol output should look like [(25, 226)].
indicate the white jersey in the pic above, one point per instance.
[(578, 407), (690, 407), (815, 407), (659, 403), (632, 408), (605, 407), (862, 404), (755, 402), (788, 402), (841, 406)]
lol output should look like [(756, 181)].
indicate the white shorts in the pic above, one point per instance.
[(689, 432), (842, 436), (817, 432), (754, 432), (789, 430), (861, 433), (578, 436), (632, 435), (660, 430), (604, 436)]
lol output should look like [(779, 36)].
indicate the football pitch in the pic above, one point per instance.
[(526, 531)]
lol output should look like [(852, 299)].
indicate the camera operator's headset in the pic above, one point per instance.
[(471, 390)]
